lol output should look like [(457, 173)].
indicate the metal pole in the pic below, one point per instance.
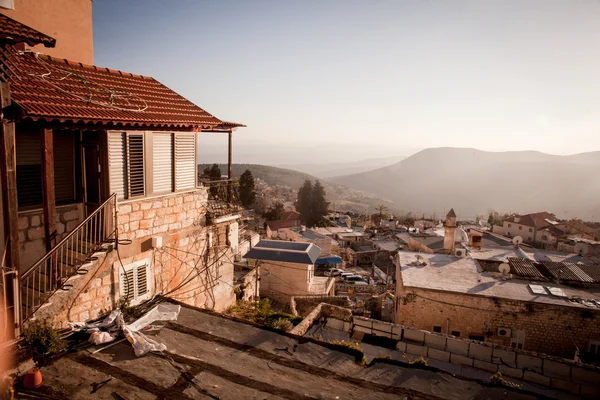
[(229, 155)]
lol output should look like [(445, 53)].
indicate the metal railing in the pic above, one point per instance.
[(223, 198), (64, 260)]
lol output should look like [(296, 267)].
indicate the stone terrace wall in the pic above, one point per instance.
[(549, 329), (303, 305), (531, 367), (32, 243), (146, 217)]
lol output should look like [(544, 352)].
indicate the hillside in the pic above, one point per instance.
[(328, 170), (345, 199), (474, 181)]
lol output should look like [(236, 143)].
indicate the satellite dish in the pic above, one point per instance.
[(581, 249), (517, 240), (504, 268)]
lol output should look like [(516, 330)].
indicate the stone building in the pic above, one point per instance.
[(101, 201), (454, 296), (287, 269)]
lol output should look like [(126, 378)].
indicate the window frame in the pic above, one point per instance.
[(135, 266)]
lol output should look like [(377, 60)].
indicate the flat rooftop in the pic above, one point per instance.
[(284, 251), (462, 275), (209, 356)]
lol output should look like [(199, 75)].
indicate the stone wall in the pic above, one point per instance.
[(302, 305), (550, 329), (247, 284), (32, 242), (443, 352)]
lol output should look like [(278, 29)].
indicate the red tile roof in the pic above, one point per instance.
[(291, 215), (535, 220), (46, 88), (282, 223), (15, 32)]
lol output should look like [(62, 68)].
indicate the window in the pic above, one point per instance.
[(437, 329), (594, 347), (456, 333), (135, 284), (520, 228), (530, 229), (126, 164), (509, 225), (544, 238), (185, 161), (29, 168), (477, 336), (517, 340), (162, 168)]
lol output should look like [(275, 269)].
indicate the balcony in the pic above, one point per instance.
[(223, 201)]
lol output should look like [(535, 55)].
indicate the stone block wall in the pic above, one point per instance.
[(444, 351), (32, 239), (142, 218), (550, 329)]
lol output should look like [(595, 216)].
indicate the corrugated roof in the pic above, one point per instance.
[(566, 271), (593, 271), (46, 88), (282, 251), (15, 32), (523, 267)]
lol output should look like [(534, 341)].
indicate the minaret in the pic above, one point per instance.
[(449, 231)]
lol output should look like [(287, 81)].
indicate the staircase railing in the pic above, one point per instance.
[(63, 261), (223, 198)]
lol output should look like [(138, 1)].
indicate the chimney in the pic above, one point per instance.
[(450, 231)]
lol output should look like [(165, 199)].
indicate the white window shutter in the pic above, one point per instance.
[(135, 284), (185, 161), (117, 165), (162, 170)]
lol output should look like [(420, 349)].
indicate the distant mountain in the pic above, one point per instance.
[(328, 170), (474, 181), (345, 199)]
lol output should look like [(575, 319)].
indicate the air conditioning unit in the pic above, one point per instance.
[(460, 253), (504, 332)]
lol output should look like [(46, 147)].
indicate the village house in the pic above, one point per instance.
[(523, 308), (287, 269), (526, 226), (101, 204), (302, 234)]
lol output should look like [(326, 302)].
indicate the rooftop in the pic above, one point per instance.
[(52, 89), (209, 356), (536, 220), (283, 251), (309, 234), (282, 223), (462, 275), (15, 32)]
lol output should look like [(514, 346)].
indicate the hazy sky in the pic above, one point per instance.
[(385, 77)]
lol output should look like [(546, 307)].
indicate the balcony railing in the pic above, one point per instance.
[(63, 261), (223, 199)]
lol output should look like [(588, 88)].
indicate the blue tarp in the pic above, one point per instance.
[(329, 260)]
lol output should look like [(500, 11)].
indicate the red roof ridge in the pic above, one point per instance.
[(90, 66)]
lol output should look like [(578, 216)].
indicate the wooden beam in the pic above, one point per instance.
[(8, 177), (48, 196), (229, 155)]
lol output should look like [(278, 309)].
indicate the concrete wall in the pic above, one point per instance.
[(67, 21), (32, 239), (550, 329), (516, 229), (291, 279), (442, 351)]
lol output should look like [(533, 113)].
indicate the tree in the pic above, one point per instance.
[(274, 213), (214, 172), (378, 217), (247, 190), (311, 203)]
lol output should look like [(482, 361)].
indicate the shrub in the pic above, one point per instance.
[(350, 345), (43, 341), (282, 324), (498, 380)]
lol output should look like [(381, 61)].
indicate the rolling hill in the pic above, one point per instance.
[(328, 170), (474, 182), (345, 199)]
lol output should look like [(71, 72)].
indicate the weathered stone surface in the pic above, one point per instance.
[(461, 360), (23, 222), (70, 215), (567, 386), (136, 216), (511, 372), (413, 335), (486, 366), (536, 378), (401, 346), (440, 355), (415, 349), (480, 352), (35, 233), (556, 369), (71, 225), (530, 363), (457, 346), (35, 220), (506, 357), (584, 375), (435, 341)]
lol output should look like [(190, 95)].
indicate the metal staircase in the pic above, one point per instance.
[(67, 258)]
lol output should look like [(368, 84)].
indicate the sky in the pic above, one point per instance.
[(332, 80)]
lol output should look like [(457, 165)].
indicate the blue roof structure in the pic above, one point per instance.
[(282, 251), (329, 260)]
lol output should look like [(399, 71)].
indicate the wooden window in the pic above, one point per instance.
[(594, 347), (437, 329), (135, 283), (64, 167), (29, 168), (185, 161), (477, 336), (162, 169), (126, 164), (455, 333)]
